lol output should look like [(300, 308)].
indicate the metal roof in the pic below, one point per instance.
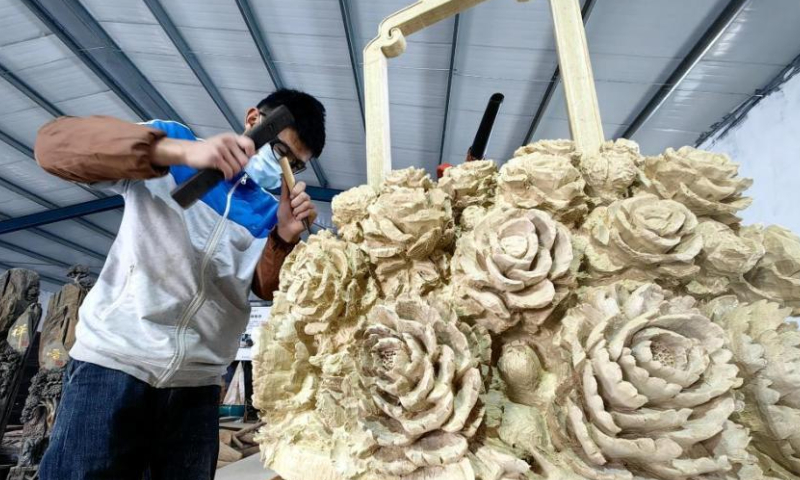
[(670, 69)]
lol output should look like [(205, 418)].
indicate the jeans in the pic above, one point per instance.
[(112, 426)]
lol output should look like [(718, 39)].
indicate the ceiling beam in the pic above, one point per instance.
[(258, 37), (36, 97), (175, 35), (349, 32), (695, 55), (23, 192), (249, 17), (737, 116), (320, 174), (61, 241), (59, 214), (29, 92), (82, 34), (34, 255), (449, 91), (76, 211), (555, 79), (42, 276)]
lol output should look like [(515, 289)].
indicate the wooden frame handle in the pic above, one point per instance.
[(573, 57)]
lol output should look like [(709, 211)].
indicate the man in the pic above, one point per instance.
[(162, 322)]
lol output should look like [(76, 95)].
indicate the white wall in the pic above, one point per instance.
[(767, 146)]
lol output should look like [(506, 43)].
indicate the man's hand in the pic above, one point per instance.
[(227, 152), (294, 208)]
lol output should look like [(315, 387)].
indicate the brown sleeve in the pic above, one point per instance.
[(97, 149), (267, 277)]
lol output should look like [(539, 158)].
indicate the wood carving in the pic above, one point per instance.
[(57, 337), (583, 312)]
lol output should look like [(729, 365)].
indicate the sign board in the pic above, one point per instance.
[(258, 316)]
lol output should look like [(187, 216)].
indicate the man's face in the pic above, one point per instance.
[(288, 136)]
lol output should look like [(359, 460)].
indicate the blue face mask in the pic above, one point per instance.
[(264, 169)]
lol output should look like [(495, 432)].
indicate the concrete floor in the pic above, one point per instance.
[(249, 468)]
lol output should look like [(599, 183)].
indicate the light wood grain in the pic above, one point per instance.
[(576, 71)]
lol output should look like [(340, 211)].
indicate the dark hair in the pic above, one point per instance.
[(308, 112)]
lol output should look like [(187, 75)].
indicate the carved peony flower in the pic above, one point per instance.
[(776, 276), (766, 348), (706, 182), (725, 255), (654, 384), (324, 281), (283, 380), (403, 235), (542, 181), (505, 269), (423, 380), (562, 148), (350, 209), (471, 183), (612, 171), (642, 237), (495, 461), (411, 177)]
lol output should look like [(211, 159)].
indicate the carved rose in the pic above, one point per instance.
[(402, 235), (562, 148), (766, 348), (283, 381), (471, 183), (725, 255), (324, 281), (654, 384), (545, 182), (776, 276), (423, 380), (350, 209), (411, 177), (611, 172), (642, 237), (706, 182), (505, 269)]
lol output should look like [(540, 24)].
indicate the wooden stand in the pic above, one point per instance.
[(573, 58)]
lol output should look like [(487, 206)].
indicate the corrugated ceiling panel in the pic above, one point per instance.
[(509, 24), (16, 23), (151, 50), (47, 65), (13, 99), (24, 124), (52, 249), (754, 48), (301, 17), (80, 235), (193, 104), (205, 14), (22, 261), (63, 80), (765, 33), (103, 103), (323, 81), (109, 220), (13, 205), (9, 154), (27, 174)]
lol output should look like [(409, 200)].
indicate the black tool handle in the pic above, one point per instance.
[(201, 182), (481, 142)]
